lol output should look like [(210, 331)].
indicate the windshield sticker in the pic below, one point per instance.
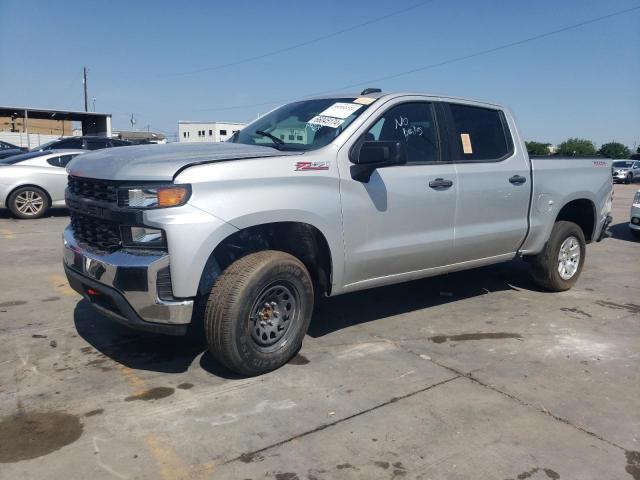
[(364, 100), (466, 143), (312, 166), (340, 110), (322, 121)]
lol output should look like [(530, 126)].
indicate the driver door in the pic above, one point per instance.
[(400, 224)]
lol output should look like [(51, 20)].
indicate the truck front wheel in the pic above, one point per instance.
[(258, 312), (558, 266)]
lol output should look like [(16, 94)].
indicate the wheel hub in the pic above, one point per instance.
[(569, 258), (29, 203), (271, 314)]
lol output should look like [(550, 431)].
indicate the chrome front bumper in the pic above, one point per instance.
[(123, 285)]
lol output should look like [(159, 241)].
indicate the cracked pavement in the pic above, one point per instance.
[(476, 374)]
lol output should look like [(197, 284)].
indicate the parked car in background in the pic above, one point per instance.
[(634, 222), (32, 182), (626, 171), (82, 143), (8, 149)]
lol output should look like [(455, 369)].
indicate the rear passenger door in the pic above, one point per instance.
[(494, 182)]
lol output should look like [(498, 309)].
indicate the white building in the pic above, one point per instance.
[(206, 131)]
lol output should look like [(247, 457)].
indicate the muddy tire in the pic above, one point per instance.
[(28, 202), (258, 312), (558, 266)]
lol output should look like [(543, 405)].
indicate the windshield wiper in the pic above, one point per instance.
[(275, 139)]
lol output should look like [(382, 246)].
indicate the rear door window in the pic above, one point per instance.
[(55, 161), (64, 159), (479, 134), (97, 144)]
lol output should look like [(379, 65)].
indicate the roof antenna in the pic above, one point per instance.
[(367, 91)]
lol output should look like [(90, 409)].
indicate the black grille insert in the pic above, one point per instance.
[(95, 232), (100, 190)]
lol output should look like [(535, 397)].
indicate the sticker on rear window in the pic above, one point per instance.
[(322, 121), (466, 143), (340, 110)]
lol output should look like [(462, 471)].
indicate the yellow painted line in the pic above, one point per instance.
[(7, 233), (59, 282), (136, 384), (170, 465)]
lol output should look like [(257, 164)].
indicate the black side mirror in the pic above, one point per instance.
[(368, 156)]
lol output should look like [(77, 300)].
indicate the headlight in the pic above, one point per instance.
[(636, 199), (143, 237), (154, 196)]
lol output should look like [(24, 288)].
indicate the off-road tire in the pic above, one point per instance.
[(15, 205), (228, 318), (544, 266)]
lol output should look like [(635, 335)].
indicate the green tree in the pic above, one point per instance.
[(614, 150), (538, 148), (576, 147)]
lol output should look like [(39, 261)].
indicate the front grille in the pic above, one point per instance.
[(95, 232), (100, 190)]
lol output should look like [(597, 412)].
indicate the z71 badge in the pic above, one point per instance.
[(312, 166)]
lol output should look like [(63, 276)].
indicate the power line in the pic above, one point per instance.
[(302, 44), (438, 64)]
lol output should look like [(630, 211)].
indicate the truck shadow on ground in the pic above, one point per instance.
[(332, 314), (141, 350), (168, 354), (621, 231)]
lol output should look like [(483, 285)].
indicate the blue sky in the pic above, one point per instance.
[(584, 82)]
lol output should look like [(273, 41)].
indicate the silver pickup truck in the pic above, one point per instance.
[(320, 197)]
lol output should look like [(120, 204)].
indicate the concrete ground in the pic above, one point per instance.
[(474, 375)]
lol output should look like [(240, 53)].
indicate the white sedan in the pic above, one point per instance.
[(634, 223), (32, 182)]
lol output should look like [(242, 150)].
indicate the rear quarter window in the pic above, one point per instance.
[(479, 134)]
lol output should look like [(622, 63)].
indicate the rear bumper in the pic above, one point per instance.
[(124, 286)]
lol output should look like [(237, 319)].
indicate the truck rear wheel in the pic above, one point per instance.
[(558, 266), (258, 312)]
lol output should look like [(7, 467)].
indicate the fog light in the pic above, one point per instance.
[(143, 237), (635, 221)]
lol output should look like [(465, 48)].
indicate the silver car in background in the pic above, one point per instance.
[(627, 171), (32, 182)]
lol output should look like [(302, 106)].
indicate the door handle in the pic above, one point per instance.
[(517, 180), (440, 184)]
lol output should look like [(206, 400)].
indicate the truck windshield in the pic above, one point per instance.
[(305, 125)]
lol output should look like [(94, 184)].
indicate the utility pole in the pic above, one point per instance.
[(84, 82)]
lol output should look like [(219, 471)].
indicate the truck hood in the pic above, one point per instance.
[(161, 162)]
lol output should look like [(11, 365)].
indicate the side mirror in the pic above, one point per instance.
[(369, 156)]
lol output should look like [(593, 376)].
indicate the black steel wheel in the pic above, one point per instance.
[(258, 312)]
